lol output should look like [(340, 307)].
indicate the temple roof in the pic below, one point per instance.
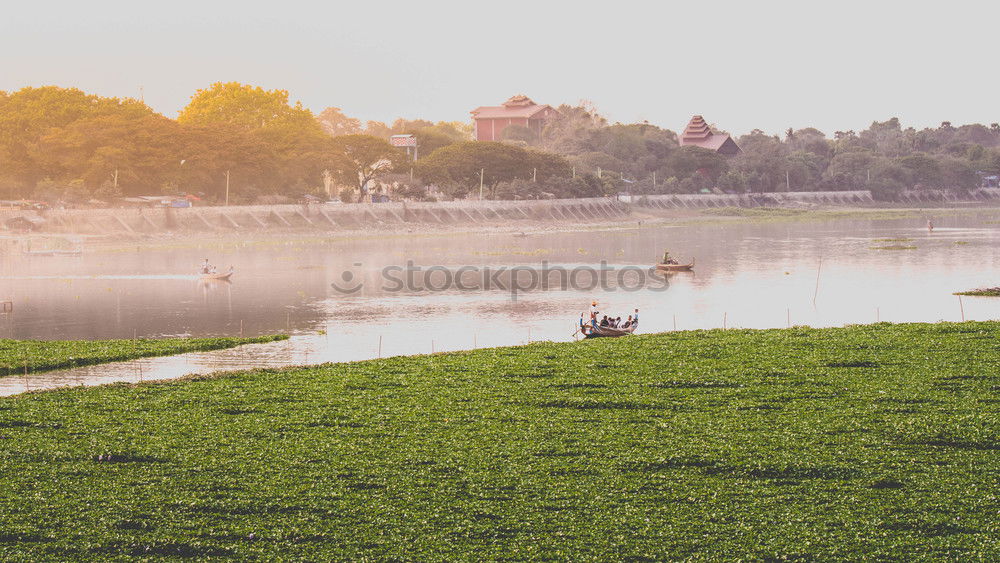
[(519, 106), (699, 134)]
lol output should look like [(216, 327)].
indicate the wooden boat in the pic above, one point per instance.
[(224, 276), (661, 267), (606, 331)]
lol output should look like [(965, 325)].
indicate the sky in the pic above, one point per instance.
[(744, 65)]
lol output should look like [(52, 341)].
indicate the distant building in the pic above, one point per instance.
[(699, 134), (490, 121)]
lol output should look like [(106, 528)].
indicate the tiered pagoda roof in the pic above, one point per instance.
[(699, 134)]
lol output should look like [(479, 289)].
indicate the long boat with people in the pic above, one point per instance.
[(607, 327)]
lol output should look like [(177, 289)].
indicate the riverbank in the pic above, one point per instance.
[(639, 218), (861, 442), (19, 357)]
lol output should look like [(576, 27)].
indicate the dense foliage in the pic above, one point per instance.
[(18, 356), (64, 144), (871, 442)]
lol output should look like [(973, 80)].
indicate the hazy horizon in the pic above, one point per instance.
[(766, 66)]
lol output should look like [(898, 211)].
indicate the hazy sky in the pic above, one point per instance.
[(743, 65)]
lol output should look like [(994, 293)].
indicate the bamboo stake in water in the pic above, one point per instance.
[(724, 315), (818, 270), (788, 317), (675, 322), (380, 346), (961, 307)]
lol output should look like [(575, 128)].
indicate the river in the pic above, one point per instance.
[(761, 274)]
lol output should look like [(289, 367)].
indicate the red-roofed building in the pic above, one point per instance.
[(699, 134), (490, 121)]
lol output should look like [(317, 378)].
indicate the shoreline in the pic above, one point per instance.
[(638, 219), (124, 365)]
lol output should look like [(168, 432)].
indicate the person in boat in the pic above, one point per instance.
[(628, 322), (667, 259), (206, 268), (635, 317), (604, 321)]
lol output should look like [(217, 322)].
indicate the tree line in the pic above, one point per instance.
[(65, 144)]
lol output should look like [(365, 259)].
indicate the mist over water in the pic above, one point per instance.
[(747, 275)]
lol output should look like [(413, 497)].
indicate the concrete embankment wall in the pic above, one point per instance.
[(323, 217), (354, 216), (774, 199), (791, 199)]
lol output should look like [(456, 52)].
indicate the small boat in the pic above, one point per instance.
[(224, 276), (661, 267), (607, 331)]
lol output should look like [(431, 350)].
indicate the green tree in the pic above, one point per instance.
[(30, 113), (356, 160), (457, 167), (247, 107)]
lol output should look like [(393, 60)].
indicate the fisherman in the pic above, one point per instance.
[(206, 268), (667, 259)]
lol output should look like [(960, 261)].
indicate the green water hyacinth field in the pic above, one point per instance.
[(18, 356), (865, 442)]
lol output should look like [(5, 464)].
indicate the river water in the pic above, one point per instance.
[(747, 275)]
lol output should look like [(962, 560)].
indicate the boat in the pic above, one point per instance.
[(607, 331), (661, 267), (589, 330), (223, 276)]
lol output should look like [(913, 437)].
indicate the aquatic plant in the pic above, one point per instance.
[(981, 292), (869, 442), (19, 356)]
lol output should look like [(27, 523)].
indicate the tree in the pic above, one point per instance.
[(30, 113), (457, 167), (359, 159), (247, 107), (335, 123)]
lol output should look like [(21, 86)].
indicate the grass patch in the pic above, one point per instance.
[(754, 212), (982, 292), (47, 355), (893, 247), (866, 442), (893, 240)]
